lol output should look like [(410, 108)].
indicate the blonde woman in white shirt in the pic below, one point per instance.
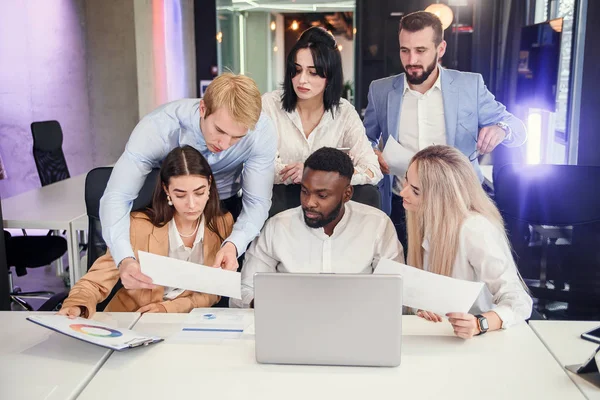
[(309, 114), (454, 229)]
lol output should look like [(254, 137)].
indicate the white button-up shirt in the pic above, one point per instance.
[(178, 250), (342, 130), (422, 122), (363, 236), (484, 256)]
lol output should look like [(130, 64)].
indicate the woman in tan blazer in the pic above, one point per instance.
[(185, 222)]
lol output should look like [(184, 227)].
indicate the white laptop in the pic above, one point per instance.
[(328, 319)]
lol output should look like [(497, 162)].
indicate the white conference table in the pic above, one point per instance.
[(563, 340), (53, 207), (435, 364), (36, 363)]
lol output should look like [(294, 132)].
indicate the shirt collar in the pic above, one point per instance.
[(175, 241), (339, 228), (436, 84)]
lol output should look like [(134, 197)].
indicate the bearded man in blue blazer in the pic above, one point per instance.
[(431, 105)]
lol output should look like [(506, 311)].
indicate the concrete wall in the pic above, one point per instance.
[(43, 75), (259, 49), (76, 61), (111, 68)]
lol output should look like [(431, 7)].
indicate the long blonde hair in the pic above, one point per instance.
[(450, 191)]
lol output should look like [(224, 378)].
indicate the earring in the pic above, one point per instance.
[(169, 202)]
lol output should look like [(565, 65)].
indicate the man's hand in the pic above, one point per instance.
[(382, 163), (489, 137), (71, 312), (226, 258), (293, 171), (132, 277), (152, 308)]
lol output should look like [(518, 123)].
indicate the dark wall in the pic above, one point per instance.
[(377, 47), (205, 21), (589, 120)]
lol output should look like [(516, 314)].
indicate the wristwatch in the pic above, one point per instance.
[(482, 322), (506, 130)]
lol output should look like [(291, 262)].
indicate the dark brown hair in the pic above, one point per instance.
[(420, 20), (179, 162)]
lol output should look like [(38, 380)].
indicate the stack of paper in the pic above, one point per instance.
[(216, 323), (94, 332)]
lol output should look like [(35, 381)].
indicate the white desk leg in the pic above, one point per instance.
[(72, 249)]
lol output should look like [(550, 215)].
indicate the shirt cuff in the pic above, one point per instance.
[(239, 240), (506, 314), (121, 251)]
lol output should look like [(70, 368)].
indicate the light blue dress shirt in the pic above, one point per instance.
[(248, 165)]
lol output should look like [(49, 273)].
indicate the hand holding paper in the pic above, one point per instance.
[(397, 157), (168, 271), (432, 292)]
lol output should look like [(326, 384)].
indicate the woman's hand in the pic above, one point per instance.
[(429, 316), (293, 171), (465, 325), (152, 308), (71, 312)]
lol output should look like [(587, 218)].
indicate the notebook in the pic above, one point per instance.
[(94, 332)]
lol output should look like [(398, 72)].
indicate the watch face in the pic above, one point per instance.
[(484, 324)]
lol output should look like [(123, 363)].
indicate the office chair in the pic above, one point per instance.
[(288, 196), (95, 184), (30, 252), (552, 216), (47, 152)]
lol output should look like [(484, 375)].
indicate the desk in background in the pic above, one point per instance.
[(563, 340), (53, 207), (511, 364), (36, 363)]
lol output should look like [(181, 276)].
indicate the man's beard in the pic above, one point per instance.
[(324, 220), (419, 79)]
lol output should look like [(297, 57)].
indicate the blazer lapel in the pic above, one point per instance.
[(450, 99), (210, 246), (394, 105), (158, 241)]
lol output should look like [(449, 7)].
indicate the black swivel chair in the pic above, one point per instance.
[(552, 216), (47, 152), (31, 252), (95, 184)]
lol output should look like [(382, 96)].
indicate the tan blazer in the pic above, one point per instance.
[(95, 286)]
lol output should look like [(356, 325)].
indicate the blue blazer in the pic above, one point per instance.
[(468, 107)]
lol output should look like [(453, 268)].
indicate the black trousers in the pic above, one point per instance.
[(288, 196), (398, 217), (232, 205)]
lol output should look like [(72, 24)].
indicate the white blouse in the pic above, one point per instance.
[(484, 256), (178, 250), (344, 130)]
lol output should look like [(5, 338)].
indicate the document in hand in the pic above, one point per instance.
[(94, 332), (432, 292), (168, 271), (397, 157)]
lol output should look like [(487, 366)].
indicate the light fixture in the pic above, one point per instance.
[(220, 37), (443, 12), (273, 26), (340, 47), (354, 30), (294, 25), (275, 49)]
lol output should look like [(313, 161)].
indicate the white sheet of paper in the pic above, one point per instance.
[(168, 271), (432, 292), (215, 324), (397, 157)]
